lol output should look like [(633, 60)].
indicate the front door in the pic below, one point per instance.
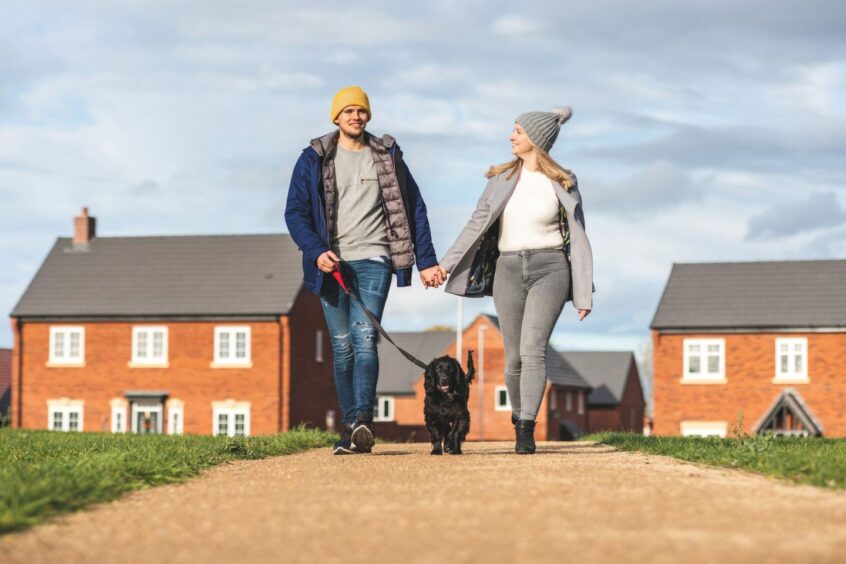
[(147, 417)]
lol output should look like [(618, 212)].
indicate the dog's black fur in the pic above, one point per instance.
[(445, 410)]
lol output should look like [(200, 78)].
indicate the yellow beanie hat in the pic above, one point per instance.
[(349, 96)]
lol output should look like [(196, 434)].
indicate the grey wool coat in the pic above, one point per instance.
[(459, 259)]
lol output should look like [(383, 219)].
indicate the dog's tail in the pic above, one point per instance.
[(471, 369)]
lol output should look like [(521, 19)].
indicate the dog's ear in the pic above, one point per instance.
[(471, 369), (429, 379)]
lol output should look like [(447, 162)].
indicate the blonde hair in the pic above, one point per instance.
[(546, 165)]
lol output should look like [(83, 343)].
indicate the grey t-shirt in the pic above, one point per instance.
[(360, 228)]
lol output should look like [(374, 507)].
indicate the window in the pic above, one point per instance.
[(231, 419), (791, 360), (232, 346), (384, 410), (118, 418), (318, 346), (703, 428), (568, 401), (503, 402), (149, 345), (64, 415), (704, 361), (67, 345), (175, 417), (581, 403)]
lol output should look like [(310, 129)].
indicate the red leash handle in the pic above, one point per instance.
[(340, 279)]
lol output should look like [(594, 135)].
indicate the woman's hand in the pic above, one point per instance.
[(583, 313), (433, 276), (328, 261)]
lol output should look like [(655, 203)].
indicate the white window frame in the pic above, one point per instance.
[(318, 346), (66, 331), (791, 377), (65, 407), (230, 410), (384, 401), (500, 406), (581, 403), (175, 409), (118, 409), (703, 377), (232, 332), (704, 429), (149, 359)]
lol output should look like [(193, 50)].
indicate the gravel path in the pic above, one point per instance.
[(571, 502)]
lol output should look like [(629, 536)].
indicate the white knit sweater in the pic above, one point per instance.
[(530, 219)]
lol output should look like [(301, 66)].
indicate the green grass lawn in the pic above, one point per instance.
[(44, 473), (815, 461)]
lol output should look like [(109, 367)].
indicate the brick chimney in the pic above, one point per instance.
[(84, 229)]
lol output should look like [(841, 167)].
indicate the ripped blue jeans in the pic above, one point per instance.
[(354, 339)]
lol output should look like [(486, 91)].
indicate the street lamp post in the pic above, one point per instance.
[(481, 386)]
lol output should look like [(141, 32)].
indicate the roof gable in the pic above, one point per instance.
[(166, 276), (786, 294)]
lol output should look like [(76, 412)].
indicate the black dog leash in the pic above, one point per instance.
[(337, 275)]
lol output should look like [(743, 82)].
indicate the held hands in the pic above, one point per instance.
[(328, 261), (433, 276)]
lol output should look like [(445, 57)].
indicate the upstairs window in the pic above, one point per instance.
[(704, 361), (149, 345), (791, 360), (232, 346), (67, 345)]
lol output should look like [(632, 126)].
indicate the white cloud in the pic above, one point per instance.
[(514, 25)]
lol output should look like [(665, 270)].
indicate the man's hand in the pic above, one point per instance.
[(583, 313), (433, 276), (328, 261)]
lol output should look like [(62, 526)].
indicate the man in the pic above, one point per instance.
[(353, 205)]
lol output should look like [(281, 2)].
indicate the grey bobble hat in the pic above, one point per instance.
[(542, 127)]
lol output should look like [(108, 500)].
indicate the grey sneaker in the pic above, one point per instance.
[(363, 436), (344, 445)]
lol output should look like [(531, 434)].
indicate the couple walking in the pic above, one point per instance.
[(353, 205)]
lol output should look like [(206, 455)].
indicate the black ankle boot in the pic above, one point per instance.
[(525, 437), (514, 420)]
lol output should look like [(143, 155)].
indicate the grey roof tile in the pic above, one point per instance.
[(782, 294), (166, 276), (605, 371)]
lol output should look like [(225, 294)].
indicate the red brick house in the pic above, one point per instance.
[(616, 402), (5, 381), (565, 411), (187, 334), (761, 340)]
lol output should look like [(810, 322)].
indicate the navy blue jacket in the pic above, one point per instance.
[(305, 216)]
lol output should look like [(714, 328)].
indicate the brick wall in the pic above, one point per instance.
[(5, 380), (558, 412), (625, 416), (750, 368), (312, 381), (189, 376)]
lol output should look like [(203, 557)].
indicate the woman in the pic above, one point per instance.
[(526, 246)]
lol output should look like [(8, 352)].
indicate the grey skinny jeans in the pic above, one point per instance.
[(529, 291)]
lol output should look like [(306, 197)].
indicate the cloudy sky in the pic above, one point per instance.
[(702, 130)]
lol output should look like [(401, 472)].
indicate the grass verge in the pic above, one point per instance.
[(815, 461), (44, 473)]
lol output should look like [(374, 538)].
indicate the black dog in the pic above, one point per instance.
[(447, 390)]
